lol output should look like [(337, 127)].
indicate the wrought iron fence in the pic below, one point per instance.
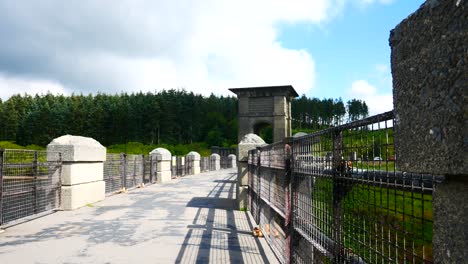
[(30, 183), (338, 196), (128, 171)]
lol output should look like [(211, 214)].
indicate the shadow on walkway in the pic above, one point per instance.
[(220, 233)]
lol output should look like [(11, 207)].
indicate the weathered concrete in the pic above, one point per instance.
[(260, 106), (79, 173), (430, 77), (194, 159), (232, 161), (215, 162), (77, 148), (79, 195), (163, 158), (82, 174), (189, 220), (248, 142)]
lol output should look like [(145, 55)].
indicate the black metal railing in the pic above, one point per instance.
[(30, 183), (338, 196), (128, 171)]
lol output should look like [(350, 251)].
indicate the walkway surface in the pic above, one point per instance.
[(190, 220)]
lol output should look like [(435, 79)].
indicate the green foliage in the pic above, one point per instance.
[(13, 145), (169, 117), (177, 150)]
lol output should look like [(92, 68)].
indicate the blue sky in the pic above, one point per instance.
[(324, 48), (351, 47)]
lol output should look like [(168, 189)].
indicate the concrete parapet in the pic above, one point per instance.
[(215, 161), (232, 161), (193, 159), (241, 192), (163, 159), (77, 148), (429, 68), (82, 174), (248, 142), (79, 173), (79, 195)]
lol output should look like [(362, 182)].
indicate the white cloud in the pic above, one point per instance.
[(377, 102), (12, 85), (207, 46)]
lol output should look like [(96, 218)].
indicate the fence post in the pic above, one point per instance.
[(288, 197), (142, 168), (35, 181), (2, 151), (151, 168), (337, 193), (123, 163)]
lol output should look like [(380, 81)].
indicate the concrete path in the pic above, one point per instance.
[(190, 220)]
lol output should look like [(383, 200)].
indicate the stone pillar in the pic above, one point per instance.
[(429, 67), (232, 161), (215, 162), (163, 159), (82, 171), (193, 158), (248, 142)]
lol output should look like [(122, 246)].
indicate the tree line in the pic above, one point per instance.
[(165, 117), (315, 113)]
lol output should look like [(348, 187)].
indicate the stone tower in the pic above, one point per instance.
[(262, 106)]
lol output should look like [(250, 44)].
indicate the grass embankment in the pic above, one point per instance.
[(378, 220)]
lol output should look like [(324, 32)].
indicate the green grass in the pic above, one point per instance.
[(379, 216)]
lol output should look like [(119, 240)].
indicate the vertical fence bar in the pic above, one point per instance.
[(35, 183), (151, 169), (1, 186), (59, 186), (123, 163)]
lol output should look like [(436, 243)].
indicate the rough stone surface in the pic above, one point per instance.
[(77, 148), (79, 195), (451, 221), (79, 173), (161, 153), (430, 78), (299, 134), (265, 105), (249, 142)]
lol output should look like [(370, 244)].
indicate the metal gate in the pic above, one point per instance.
[(30, 183)]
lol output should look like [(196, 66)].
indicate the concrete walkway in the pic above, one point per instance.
[(190, 220)]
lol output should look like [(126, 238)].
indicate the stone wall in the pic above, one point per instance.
[(430, 81)]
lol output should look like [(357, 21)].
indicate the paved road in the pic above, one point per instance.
[(190, 220)]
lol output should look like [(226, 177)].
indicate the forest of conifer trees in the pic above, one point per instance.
[(169, 117)]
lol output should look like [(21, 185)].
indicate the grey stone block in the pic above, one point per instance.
[(429, 68), (79, 173), (161, 154), (79, 195), (76, 148), (241, 195)]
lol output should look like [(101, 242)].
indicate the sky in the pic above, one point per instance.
[(324, 48)]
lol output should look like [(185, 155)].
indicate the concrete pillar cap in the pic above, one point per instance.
[(193, 155), (215, 156), (161, 153), (77, 148)]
